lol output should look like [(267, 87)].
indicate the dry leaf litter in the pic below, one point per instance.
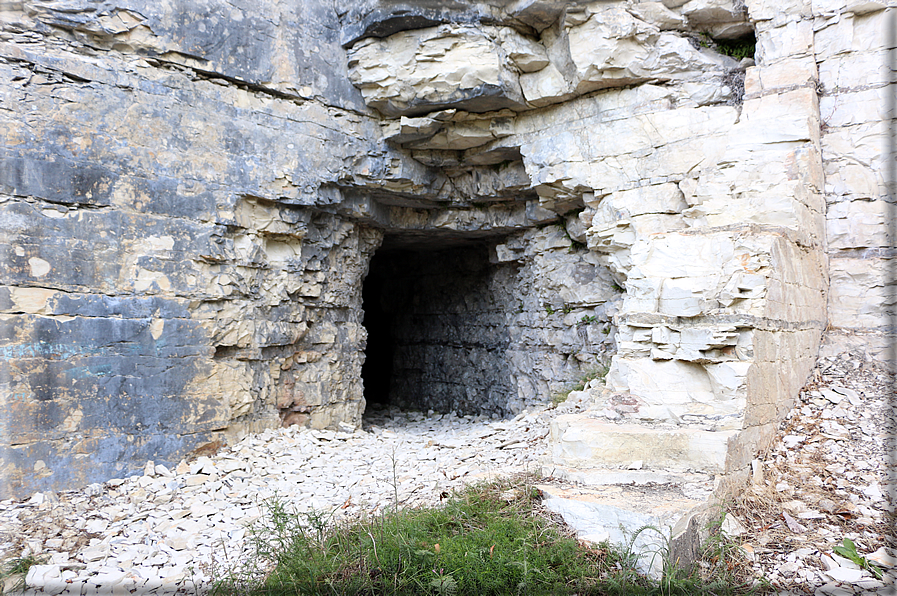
[(827, 477)]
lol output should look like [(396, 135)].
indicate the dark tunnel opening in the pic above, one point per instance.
[(376, 372), (437, 328)]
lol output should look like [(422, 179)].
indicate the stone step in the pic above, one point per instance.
[(694, 485), (579, 441), (635, 486), (639, 519)]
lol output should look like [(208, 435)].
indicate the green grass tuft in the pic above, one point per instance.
[(744, 47), (737, 49), (490, 539), (16, 569)]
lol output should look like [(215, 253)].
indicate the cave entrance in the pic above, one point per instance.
[(437, 323)]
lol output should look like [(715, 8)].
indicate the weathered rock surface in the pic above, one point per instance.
[(428, 69), (192, 201)]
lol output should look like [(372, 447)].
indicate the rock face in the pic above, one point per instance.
[(207, 208), (415, 72)]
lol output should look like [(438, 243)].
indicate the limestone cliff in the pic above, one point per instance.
[(213, 213)]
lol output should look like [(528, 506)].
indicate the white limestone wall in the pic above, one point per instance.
[(705, 203), (852, 47), (712, 217)]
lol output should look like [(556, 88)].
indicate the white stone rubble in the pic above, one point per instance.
[(169, 529), (165, 530)]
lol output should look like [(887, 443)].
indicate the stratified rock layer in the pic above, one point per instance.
[(191, 197)]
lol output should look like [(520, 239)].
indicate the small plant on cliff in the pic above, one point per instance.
[(743, 47), (737, 49), (596, 372)]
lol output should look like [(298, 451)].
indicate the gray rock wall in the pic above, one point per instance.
[(158, 281), (191, 194)]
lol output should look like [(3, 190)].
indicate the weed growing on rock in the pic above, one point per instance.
[(743, 47), (722, 559), (848, 550), (597, 372), (737, 49)]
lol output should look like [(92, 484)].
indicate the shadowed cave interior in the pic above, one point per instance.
[(437, 323)]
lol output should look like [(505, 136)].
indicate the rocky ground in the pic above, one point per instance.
[(172, 529), (824, 480)]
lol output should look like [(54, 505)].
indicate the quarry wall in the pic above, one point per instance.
[(192, 193)]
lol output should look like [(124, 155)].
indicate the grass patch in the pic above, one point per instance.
[(13, 573), (737, 49), (490, 539)]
